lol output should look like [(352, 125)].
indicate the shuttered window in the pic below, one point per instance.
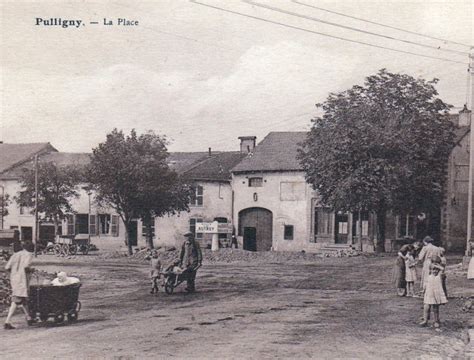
[(70, 225), (115, 225), (92, 224)]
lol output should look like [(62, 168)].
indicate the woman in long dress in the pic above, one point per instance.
[(426, 254)]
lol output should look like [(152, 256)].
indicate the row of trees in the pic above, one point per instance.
[(381, 147), (128, 173)]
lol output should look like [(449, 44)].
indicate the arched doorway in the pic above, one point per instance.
[(255, 225)]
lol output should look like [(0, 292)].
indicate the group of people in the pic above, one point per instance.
[(190, 259), (19, 266), (432, 286)]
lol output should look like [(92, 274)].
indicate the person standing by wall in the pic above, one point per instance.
[(19, 268), (191, 259)]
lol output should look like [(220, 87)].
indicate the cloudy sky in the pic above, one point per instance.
[(204, 76)]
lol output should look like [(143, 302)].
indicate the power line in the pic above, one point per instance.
[(380, 24), (352, 28), (323, 34)]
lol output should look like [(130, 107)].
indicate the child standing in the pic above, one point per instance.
[(434, 293), (155, 268), (410, 271), (443, 272)]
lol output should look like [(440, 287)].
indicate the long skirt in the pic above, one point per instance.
[(398, 276)]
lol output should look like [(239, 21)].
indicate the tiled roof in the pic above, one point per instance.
[(183, 161), (13, 154), (276, 152), (215, 167), (59, 158)]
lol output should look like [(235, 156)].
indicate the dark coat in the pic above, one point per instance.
[(192, 257)]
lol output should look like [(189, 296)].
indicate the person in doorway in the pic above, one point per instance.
[(20, 270), (426, 254), (399, 272), (233, 242), (190, 259)]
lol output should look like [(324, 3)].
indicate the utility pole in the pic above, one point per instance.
[(35, 236), (3, 203), (471, 158)]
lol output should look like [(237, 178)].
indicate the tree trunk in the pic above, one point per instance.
[(149, 234), (381, 215), (127, 238)]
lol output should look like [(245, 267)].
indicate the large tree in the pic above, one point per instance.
[(379, 147), (4, 202), (130, 174), (57, 186)]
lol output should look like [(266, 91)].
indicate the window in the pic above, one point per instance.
[(364, 218), (104, 224), (322, 222), (92, 224), (70, 225), (288, 233), (256, 182), (192, 227), (114, 226), (145, 229), (406, 225), (82, 223), (197, 196)]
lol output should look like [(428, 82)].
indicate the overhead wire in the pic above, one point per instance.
[(307, 17), (323, 34), (383, 25)]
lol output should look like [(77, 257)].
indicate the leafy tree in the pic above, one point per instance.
[(4, 202), (379, 147), (57, 186), (131, 175)]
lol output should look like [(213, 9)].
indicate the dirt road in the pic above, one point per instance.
[(332, 308)]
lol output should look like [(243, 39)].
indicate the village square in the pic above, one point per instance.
[(237, 180)]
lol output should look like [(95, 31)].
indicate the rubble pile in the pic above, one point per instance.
[(5, 288), (342, 253), (228, 255)]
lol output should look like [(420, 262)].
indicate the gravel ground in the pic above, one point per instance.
[(260, 308)]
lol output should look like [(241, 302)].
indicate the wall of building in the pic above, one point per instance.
[(288, 197), (217, 202), (454, 212), (81, 205)]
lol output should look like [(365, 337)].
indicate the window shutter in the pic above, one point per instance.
[(70, 225), (92, 224), (115, 225)]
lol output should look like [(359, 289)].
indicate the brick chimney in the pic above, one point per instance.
[(465, 117), (247, 144)]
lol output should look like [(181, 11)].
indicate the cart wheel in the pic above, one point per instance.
[(85, 249), (59, 318), (57, 249), (169, 288), (72, 316), (72, 249), (44, 317)]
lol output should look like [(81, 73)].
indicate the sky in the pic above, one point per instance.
[(203, 76)]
